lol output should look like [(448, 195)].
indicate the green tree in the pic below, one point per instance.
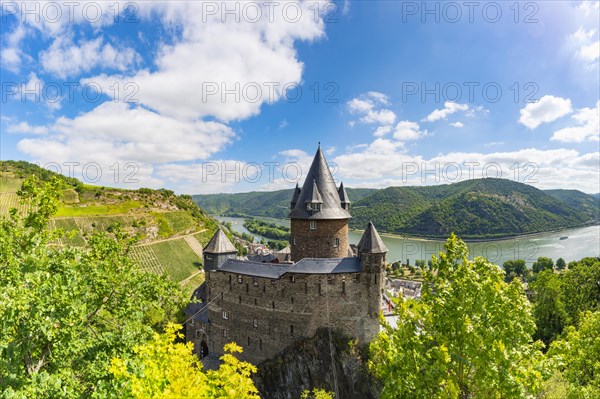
[(560, 264), (581, 288), (542, 263), (469, 336), (549, 308), (317, 394), (576, 361), (67, 311), (514, 268), (164, 369)]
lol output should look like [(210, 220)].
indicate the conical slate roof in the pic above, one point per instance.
[(343, 194), (219, 244), (319, 180), (295, 196), (370, 242)]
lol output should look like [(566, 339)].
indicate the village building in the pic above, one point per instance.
[(319, 281)]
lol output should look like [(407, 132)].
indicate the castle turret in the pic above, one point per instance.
[(217, 251), (344, 200), (371, 251), (319, 223)]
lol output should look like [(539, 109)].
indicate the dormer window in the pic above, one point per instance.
[(313, 206)]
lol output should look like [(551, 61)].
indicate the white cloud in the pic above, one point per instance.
[(449, 108), (407, 131), (11, 54), (383, 165), (115, 132), (586, 48), (588, 128), (66, 58), (26, 128), (221, 68), (367, 105), (457, 124), (547, 109)]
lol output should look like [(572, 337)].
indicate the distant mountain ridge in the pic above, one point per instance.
[(480, 208)]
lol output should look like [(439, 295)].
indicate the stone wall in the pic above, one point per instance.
[(266, 316), (318, 242)]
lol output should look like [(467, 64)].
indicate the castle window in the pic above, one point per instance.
[(230, 279), (224, 332), (320, 289), (240, 279), (344, 286), (226, 315), (292, 279), (255, 302), (313, 225), (311, 206), (240, 299), (260, 343), (255, 323), (293, 240), (264, 288), (292, 298), (292, 329), (248, 341), (273, 304), (330, 279), (255, 281), (336, 242), (305, 287), (247, 288), (222, 295)]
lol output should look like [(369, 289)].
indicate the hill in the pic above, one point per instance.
[(589, 204), (480, 208), (274, 204), (170, 229)]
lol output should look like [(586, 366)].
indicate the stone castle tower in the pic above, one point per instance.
[(319, 215), (217, 251), (267, 307)]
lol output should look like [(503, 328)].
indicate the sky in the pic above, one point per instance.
[(225, 96)]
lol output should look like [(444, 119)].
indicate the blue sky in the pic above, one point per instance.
[(199, 97)]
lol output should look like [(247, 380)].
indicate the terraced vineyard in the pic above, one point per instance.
[(145, 257), (9, 200), (73, 236)]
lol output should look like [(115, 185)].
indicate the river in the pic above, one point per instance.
[(581, 242)]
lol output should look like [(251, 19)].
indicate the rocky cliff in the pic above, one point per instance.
[(327, 361)]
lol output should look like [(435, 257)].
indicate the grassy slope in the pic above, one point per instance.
[(151, 215)]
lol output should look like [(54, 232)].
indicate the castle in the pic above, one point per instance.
[(266, 307)]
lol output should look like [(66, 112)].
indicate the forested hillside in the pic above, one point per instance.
[(481, 208), (259, 203)]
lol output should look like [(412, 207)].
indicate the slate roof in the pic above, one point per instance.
[(219, 244), (295, 196), (257, 269), (304, 266), (319, 180), (343, 194), (371, 242)]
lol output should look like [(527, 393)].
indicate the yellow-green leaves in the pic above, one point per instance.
[(163, 369)]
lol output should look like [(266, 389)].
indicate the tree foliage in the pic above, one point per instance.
[(163, 369), (549, 308), (468, 336), (67, 311), (542, 263), (514, 268), (576, 361)]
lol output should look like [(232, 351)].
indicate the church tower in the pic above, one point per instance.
[(319, 215)]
